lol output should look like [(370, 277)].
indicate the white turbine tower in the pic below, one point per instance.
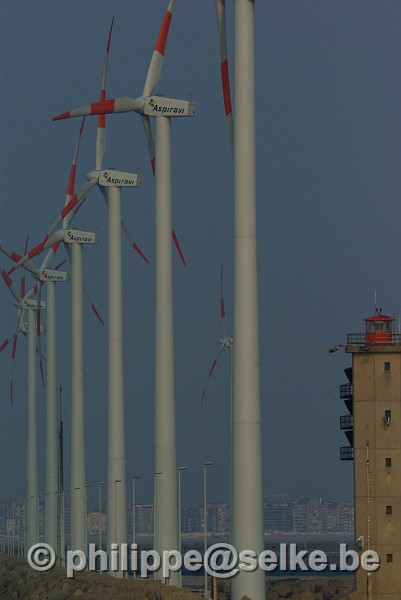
[(162, 108), (247, 489), (247, 472)]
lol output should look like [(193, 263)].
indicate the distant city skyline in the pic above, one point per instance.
[(281, 515)]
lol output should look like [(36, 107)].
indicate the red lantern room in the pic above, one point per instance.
[(379, 329)]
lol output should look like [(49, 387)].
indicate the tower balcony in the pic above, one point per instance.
[(346, 391), (346, 422), (346, 453), (364, 341)]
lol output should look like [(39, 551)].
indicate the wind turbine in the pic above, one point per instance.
[(110, 183), (247, 489), (162, 109), (225, 341), (25, 303)]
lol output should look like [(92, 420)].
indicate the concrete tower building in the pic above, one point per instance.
[(373, 428)]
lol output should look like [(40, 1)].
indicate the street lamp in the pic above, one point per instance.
[(100, 513), (2, 537), (133, 512), (86, 516), (154, 506), (75, 519), (62, 525), (39, 496), (179, 516), (115, 504), (205, 466)]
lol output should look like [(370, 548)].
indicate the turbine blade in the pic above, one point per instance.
[(105, 107), (73, 170), (60, 265), (225, 80), (9, 339), (211, 370), (149, 137), (28, 265), (92, 305), (222, 307), (101, 121), (69, 206), (14, 256), (156, 63), (22, 286), (10, 283), (52, 251), (46, 243), (177, 245), (133, 243)]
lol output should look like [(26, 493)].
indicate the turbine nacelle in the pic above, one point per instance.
[(53, 275), (160, 106), (113, 178), (24, 328), (75, 236), (30, 304)]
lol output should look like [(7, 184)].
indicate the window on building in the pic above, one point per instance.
[(389, 558), (387, 366), (388, 462), (387, 414), (389, 510)]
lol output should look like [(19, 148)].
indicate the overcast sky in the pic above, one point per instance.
[(328, 182)]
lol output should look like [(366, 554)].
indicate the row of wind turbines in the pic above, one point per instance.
[(246, 510)]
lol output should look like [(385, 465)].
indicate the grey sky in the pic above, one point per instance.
[(328, 151)]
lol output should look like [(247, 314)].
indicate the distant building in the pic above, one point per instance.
[(144, 518), (277, 515), (95, 523)]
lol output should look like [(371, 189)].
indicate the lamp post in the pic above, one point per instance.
[(39, 496), (62, 525), (86, 516), (133, 512), (179, 516), (19, 527), (118, 574), (205, 466), (27, 509), (74, 520), (154, 505), (13, 522), (100, 513), (2, 532)]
